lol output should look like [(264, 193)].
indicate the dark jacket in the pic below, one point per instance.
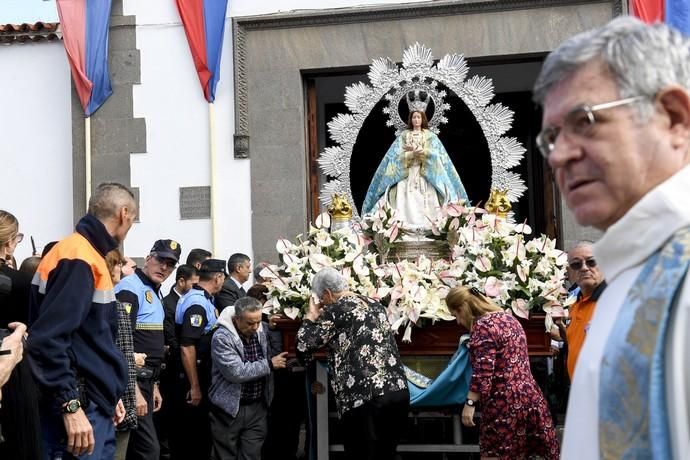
[(170, 305), (14, 305), (228, 295), (74, 321), (19, 415)]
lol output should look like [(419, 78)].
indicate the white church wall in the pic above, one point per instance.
[(36, 141), (177, 130)]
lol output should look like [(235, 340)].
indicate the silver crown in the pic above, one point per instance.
[(417, 100)]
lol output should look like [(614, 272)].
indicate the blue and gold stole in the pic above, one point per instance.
[(633, 415)]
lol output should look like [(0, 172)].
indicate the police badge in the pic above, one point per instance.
[(196, 320), (149, 296)]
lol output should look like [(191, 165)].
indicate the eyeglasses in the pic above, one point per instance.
[(18, 239), (170, 263), (577, 264), (578, 122)]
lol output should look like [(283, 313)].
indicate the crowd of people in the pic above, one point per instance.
[(194, 368), (115, 368), (95, 362)]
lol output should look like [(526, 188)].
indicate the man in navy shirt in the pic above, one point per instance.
[(195, 319), (80, 371)]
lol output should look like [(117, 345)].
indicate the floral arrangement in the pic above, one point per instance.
[(290, 283), (500, 258), (382, 228)]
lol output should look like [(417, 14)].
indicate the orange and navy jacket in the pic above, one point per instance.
[(74, 321)]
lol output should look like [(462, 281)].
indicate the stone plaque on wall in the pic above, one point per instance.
[(195, 203)]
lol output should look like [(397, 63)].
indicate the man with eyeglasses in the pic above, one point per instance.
[(583, 271), (141, 297), (617, 136)]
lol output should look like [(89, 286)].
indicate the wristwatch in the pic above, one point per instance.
[(470, 402), (71, 406)]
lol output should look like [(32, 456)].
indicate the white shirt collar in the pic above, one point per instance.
[(645, 227), (239, 285)]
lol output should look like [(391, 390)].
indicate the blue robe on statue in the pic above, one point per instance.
[(437, 169)]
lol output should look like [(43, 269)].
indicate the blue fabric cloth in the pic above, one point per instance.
[(97, 28), (214, 23), (678, 14), (438, 170), (633, 414), (449, 388)]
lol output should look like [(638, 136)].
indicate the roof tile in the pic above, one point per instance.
[(32, 33)]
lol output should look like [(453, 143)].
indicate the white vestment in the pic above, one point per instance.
[(621, 254)]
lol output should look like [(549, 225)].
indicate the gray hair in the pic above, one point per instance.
[(641, 59), (246, 305), (109, 198), (257, 272), (236, 260), (579, 244), (328, 278)]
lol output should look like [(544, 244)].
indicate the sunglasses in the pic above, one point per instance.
[(578, 264), (18, 239)]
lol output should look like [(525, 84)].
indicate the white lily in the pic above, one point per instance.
[(323, 220)]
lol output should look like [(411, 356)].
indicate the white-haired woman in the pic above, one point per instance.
[(367, 375)]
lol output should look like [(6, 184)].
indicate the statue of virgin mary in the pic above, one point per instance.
[(416, 175)]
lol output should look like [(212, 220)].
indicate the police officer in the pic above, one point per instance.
[(140, 295), (195, 319)]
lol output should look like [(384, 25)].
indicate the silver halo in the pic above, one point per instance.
[(418, 71)]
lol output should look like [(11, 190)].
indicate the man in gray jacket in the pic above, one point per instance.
[(241, 383)]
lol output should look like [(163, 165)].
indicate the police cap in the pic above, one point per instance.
[(168, 249), (213, 266)]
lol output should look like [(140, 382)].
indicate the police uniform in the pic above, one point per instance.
[(141, 298), (195, 318), (195, 321)]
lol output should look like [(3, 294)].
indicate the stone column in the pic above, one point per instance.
[(115, 132)]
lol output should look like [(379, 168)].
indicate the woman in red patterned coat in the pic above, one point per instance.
[(515, 422)]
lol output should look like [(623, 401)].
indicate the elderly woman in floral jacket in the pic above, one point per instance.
[(241, 385), (367, 375)]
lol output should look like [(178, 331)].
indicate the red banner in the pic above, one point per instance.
[(649, 11)]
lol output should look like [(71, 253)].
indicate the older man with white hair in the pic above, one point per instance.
[(368, 377), (617, 136)]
